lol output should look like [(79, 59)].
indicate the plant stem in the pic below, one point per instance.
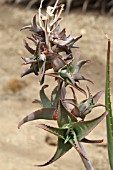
[(87, 163)]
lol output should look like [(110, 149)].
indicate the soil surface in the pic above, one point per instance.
[(29, 146)]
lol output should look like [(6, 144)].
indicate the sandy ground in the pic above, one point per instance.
[(24, 148)]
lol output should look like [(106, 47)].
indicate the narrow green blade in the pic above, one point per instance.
[(109, 118)]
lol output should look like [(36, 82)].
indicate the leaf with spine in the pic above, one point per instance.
[(82, 129), (61, 133), (75, 144), (78, 77), (33, 69), (86, 106), (64, 115), (31, 50), (109, 118), (27, 71), (61, 150), (33, 27), (67, 79), (44, 113), (79, 65), (68, 42)]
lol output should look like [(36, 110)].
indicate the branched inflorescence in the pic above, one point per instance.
[(53, 50)]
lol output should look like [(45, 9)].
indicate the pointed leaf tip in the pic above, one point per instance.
[(84, 128), (61, 150), (44, 113)]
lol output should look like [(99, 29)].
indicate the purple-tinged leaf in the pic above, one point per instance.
[(27, 71), (62, 91), (79, 65), (74, 96), (62, 34), (31, 50), (45, 113), (80, 89), (77, 147), (35, 41), (97, 105), (25, 27), (91, 141), (75, 111), (78, 77), (58, 63), (29, 59), (71, 44), (70, 101), (89, 93), (55, 74), (97, 96), (33, 27)]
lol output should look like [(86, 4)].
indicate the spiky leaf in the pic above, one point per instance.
[(64, 115), (46, 103), (61, 150), (45, 113), (82, 129)]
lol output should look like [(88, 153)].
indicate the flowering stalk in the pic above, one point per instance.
[(53, 50)]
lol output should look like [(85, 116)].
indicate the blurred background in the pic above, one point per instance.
[(29, 146)]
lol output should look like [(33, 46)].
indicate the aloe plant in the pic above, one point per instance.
[(109, 118), (53, 50)]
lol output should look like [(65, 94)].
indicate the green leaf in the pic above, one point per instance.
[(72, 65), (60, 132), (61, 150), (55, 96), (64, 115), (45, 113), (109, 118), (46, 103), (82, 129)]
